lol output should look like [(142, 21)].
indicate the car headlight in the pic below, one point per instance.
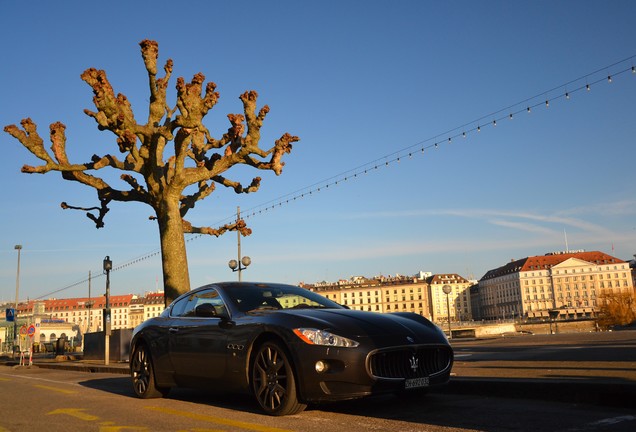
[(321, 337)]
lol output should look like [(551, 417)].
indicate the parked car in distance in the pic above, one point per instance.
[(286, 345)]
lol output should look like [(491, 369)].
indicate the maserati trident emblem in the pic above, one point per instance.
[(410, 339), (415, 362)]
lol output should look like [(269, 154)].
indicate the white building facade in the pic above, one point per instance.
[(567, 282)]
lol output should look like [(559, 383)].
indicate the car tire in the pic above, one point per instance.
[(273, 381), (143, 375)]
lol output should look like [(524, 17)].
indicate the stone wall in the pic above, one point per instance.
[(500, 329), (577, 326)]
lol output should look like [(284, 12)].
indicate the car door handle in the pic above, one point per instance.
[(173, 330)]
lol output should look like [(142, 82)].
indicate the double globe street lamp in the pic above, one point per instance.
[(240, 264)]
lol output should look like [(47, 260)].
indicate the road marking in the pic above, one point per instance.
[(462, 355), (603, 423), (198, 430), (111, 427), (219, 420), (613, 420), (75, 412), (55, 389), (41, 379)]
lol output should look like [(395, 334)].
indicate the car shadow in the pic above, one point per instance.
[(217, 398), (439, 407), (370, 406), (408, 408)]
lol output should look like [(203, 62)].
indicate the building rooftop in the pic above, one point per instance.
[(542, 262)]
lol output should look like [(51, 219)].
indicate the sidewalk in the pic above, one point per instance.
[(74, 362)]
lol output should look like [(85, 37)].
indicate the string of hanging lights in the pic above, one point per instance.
[(563, 91), (463, 131)]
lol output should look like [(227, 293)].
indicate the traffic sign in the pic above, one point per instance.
[(31, 330), (23, 330), (10, 313)]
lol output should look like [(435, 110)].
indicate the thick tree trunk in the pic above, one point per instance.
[(195, 162), (176, 277)]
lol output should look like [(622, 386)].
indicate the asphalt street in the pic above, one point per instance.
[(598, 368)]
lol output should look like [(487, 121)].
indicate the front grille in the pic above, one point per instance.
[(410, 362)]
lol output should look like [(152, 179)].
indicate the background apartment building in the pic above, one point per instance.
[(421, 294), (380, 294), (77, 316), (568, 281), (456, 305), (86, 313)]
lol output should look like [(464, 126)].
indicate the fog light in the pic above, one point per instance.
[(321, 366)]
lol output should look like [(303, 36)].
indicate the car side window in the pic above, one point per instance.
[(208, 296), (178, 307)]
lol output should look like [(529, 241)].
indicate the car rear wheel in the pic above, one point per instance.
[(273, 381), (143, 375)]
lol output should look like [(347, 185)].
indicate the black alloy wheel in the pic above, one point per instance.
[(273, 381), (143, 375)]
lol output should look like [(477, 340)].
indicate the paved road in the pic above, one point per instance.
[(606, 356), (56, 400), (597, 368)]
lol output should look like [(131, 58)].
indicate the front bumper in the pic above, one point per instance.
[(357, 372)]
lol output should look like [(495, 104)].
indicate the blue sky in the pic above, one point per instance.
[(362, 84)]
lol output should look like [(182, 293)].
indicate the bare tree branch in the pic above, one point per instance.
[(99, 219), (195, 157), (239, 226)]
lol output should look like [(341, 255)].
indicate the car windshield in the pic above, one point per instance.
[(263, 297)]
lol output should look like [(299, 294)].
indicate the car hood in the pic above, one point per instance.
[(352, 323)]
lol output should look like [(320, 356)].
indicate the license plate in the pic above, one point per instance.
[(412, 383)]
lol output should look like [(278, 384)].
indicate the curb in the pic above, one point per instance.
[(117, 368), (123, 370)]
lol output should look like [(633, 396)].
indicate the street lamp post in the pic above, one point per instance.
[(17, 293), (89, 304), (108, 266), (447, 290), (554, 314), (242, 262)]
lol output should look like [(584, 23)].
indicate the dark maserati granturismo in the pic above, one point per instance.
[(286, 345)]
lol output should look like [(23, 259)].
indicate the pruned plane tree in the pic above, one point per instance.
[(172, 151)]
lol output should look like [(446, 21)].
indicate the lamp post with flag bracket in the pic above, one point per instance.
[(15, 311), (108, 266)]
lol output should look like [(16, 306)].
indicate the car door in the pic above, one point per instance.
[(198, 344)]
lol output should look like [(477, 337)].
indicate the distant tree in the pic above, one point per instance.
[(616, 308), (194, 159)]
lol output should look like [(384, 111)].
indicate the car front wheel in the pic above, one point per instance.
[(273, 381), (143, 375)]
